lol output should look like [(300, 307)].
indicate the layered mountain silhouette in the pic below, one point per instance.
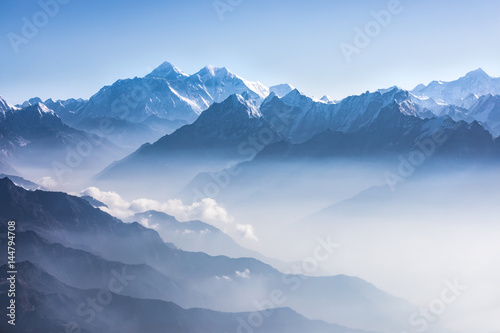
[(226, 133), (134, 111), (198, 236), (79, 246), (52, 306), (295, 127), (37, 131), (145, 108)]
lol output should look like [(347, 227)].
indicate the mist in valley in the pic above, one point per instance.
[(409, 231)]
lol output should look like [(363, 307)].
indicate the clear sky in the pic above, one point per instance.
[(91, 43)]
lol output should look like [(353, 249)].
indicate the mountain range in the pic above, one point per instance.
[(50, 305), (214, 134), (69, 250), (222, 135), (471, 97), (296, 127), (214, 119), (145, 108), (37, 131), (198, 236)]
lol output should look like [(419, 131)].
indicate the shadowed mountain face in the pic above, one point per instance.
[(143, 109), (378, 125), (59, 233), (226, 133), (473, 97), (284, 172), (21, 182), (49, 305), (395, 177), (167, 93), (392, 132), (299, 118), (473, 84), (37, 131), (197, 236)]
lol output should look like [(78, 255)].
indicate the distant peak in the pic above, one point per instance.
[(418, 88), (246, 95), (284, 85), (40, 107), (478, 73), (235, 101), (4, 105), (294, 92), (235, 98), (167, 71), (35, 100), (166, 66), (6, 184), (209, 69), (386, 90), (213, 71), (293, 95), (281, 90), (326, 99)]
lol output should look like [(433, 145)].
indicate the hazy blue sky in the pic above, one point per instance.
[(92, 43)]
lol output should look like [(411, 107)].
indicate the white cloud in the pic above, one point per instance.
[(47, 182), (244, 275), (117, 206), (223, 277), (207, 210), (247, 231), (145, 222)]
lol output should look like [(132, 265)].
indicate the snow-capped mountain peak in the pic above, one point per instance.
[(294, 96), (220, 83), (305, 117), (383, 91), (477, 74), (31, 101), (235, 101), (211, 71), (43, 109), (327, 99), (281, 89), (461, 91), (167, 71), (4, 106), (38, 110)]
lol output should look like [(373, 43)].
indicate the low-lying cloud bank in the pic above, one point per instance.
[(206, 210)]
